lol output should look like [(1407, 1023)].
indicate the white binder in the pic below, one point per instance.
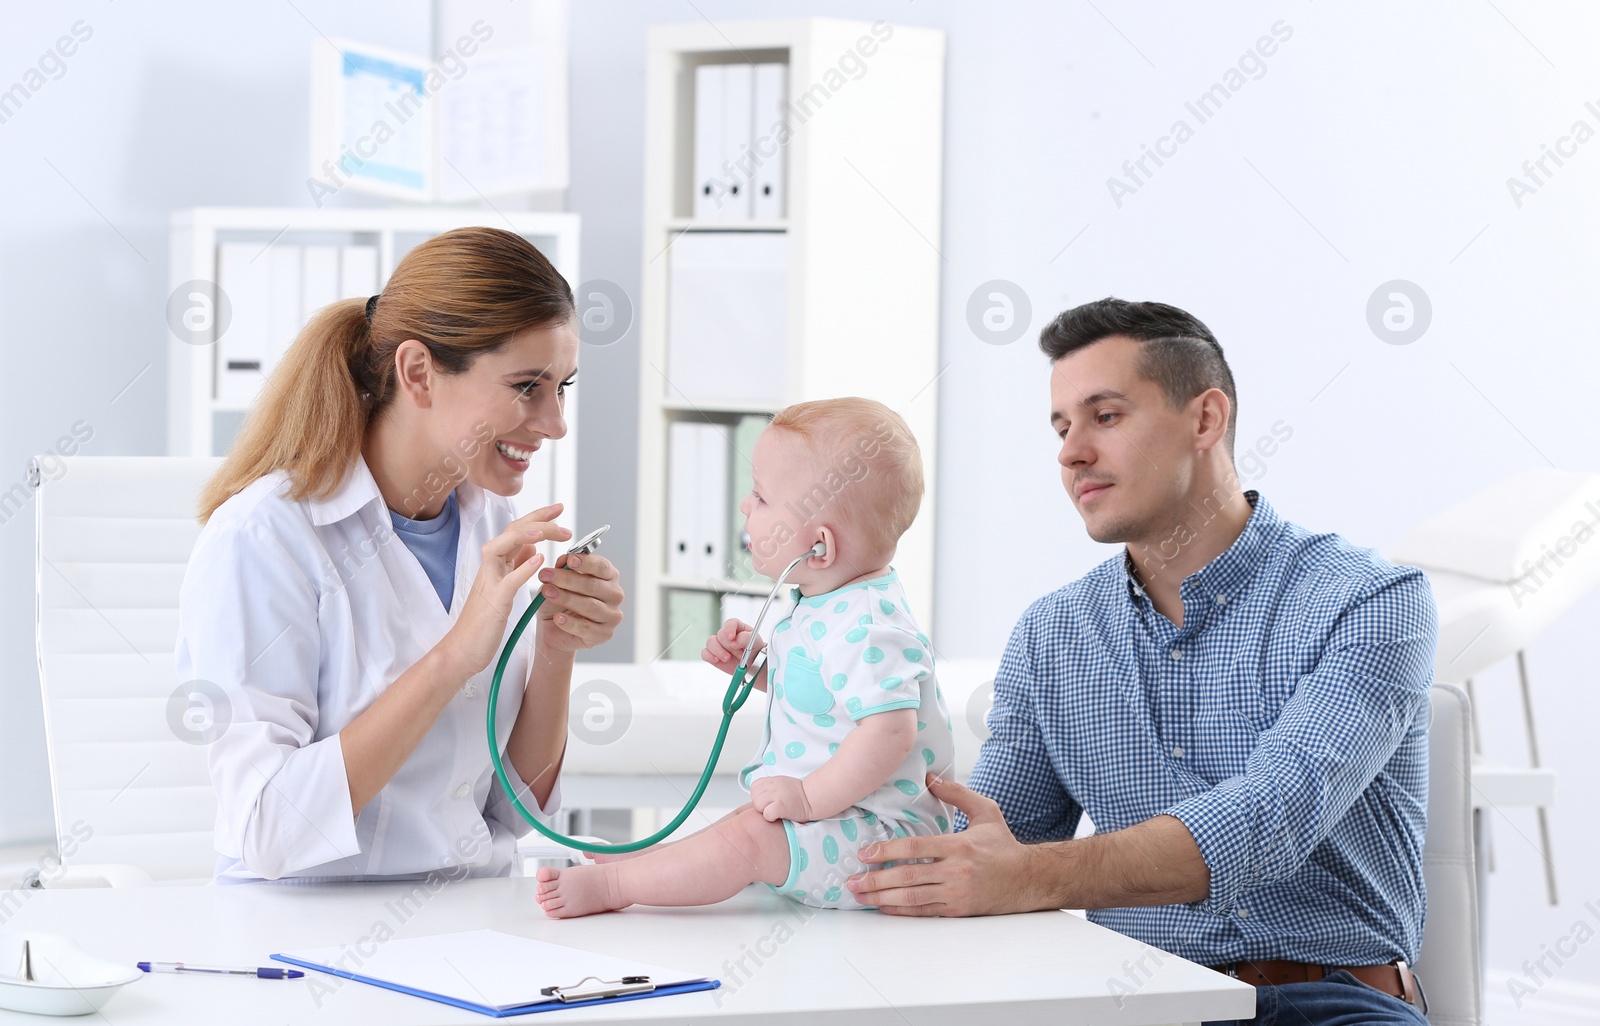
[(283, 306), (319, 280), (697, 501), (771, 92), (683, 480), (738, 94), (709, 185), (242, 349), (358, 271), (711, 504)]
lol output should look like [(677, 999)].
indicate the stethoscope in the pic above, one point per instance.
[(733, 699)]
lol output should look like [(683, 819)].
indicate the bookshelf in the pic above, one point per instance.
[(861, 222), (199, 423)]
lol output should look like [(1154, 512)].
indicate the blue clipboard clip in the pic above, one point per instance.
[(600, 990)]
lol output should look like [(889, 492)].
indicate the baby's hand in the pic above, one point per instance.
[(781, 798), (724, 648)]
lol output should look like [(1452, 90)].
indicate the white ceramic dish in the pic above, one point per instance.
[(67, 980)]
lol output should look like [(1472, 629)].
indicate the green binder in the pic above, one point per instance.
[(743, 442), (692, 617)]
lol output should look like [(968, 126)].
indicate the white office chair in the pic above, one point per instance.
[(133, 801), (1505, 564), (1450, 965)]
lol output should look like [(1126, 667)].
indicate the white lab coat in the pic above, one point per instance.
[(302, 613)]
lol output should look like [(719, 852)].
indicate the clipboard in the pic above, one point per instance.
[(497, 974)]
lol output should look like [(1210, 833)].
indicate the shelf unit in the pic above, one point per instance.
[(199, 424), (862, 219)]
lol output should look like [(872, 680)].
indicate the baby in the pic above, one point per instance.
[(855, 719)]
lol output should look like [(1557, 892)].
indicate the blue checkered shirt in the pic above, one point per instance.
[(1285, 724)]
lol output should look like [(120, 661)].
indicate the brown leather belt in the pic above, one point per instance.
[(1395, 979)]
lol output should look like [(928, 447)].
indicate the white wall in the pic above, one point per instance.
[(165, 105), (1376, 146)]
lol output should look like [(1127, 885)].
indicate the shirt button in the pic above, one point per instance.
[(1222, 600), (1244, 913), (1176, 655), (463, 790), (1177, 751)]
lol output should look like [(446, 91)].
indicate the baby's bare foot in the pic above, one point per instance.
[(578, 891)]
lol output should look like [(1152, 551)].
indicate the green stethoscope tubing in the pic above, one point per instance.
[(733, 699)]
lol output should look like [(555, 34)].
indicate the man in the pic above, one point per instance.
[(1238, 704)]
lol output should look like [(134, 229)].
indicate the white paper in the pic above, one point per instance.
[(503, 104), (491, 130), (486, 117), (380, 120)]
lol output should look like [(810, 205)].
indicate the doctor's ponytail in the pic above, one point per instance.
[(461, 294)]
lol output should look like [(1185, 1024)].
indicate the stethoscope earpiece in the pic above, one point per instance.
[(749, 649)]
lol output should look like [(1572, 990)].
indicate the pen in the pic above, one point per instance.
[(265, 973)]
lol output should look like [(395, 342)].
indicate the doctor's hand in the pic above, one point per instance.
[(981, 871), (724, 648), (509, 561), (582, 603)]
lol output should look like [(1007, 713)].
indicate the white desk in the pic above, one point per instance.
[(857, 968)]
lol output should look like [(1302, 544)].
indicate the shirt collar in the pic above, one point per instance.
[(359, 490), (881, 583), (1224, 577)]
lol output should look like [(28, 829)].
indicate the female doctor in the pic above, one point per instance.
[(360, 567)]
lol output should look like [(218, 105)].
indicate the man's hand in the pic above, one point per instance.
[(981, 871), (984, 870), (781, 798)]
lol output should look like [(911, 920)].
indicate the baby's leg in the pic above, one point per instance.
[(604, 857), (706, 867)]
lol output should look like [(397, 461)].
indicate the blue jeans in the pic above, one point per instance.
[(1337, 1000)]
